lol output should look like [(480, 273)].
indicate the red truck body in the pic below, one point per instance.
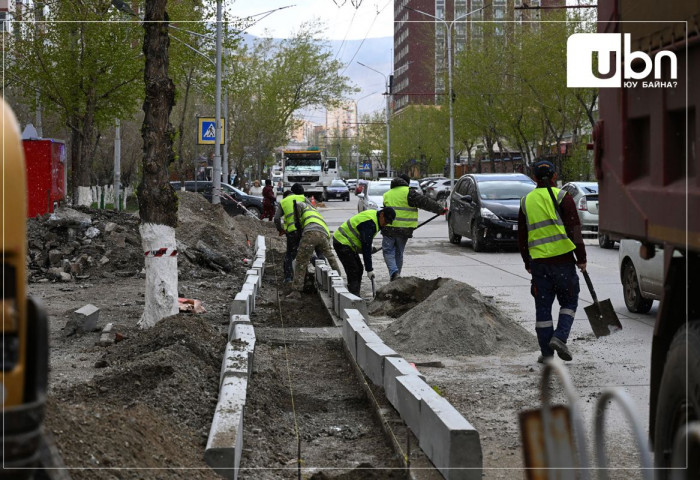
[(648, 170), (46, 174)]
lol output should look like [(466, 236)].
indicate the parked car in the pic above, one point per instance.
[(439, 191), (415, 185), (425, 182), (585, 195), (484, 208), (338, 189), (231, 198), (642, 280), (351, 183), (361, 186), (372, 198)]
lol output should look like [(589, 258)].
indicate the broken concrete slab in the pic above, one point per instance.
[(449, 440), (107, 337), (83, 320)]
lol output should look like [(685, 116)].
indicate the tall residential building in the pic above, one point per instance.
[(420, 42), (342, 121)]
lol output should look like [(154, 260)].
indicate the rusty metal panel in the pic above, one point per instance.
[(535, 457)]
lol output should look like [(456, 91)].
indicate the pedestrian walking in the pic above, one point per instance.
[(551, 244), (269, 199), (354, 237), (284, 221), (406, 201), (315, 238)]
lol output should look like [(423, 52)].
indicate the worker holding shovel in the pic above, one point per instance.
[(551, 244), (406, 202)]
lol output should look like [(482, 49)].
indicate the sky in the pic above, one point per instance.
[(372, 19)]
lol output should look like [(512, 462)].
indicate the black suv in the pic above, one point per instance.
[(484, 207), (231, 197)]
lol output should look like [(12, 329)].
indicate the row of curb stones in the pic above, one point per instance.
[(225, 442), (444, 435)]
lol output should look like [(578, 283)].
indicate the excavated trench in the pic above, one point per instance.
[(307, 410)]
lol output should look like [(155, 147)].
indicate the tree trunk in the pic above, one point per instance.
[(157, 200)]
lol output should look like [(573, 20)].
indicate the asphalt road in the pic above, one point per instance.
[(619, 360)]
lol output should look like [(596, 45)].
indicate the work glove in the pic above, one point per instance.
[(375, 250), (281, 232), (444, 211), (370, 275)]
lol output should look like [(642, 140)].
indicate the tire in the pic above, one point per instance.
[(678, 401), (478, 243), (634, 301), (255, 211), (605, 242), (456, 239)]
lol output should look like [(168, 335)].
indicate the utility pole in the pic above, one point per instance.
[(216, 186), (387, 84)]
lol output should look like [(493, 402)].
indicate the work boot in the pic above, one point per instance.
[(288, 280), (561, 349), (395, 276), (542, 358)]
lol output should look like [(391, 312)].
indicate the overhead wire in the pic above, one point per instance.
[(365, 37)]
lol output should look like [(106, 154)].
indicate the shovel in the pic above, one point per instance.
[(601, 314), (419, 225), (374, 290)]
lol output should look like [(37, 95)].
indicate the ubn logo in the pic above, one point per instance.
[(580, 68)]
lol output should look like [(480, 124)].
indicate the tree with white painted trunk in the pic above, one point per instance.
[(157, 200)]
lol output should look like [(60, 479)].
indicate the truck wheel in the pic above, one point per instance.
[(630, 287), (679, 398), (605, 242), (456, 239)]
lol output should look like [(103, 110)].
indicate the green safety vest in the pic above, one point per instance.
[(287, 205), (406, 216), (311, 215), (546, 235), (347, 233)]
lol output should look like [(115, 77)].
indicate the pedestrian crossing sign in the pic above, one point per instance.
[(207, 131)]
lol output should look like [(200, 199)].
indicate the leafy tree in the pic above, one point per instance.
[(420, 136), (272, 80), (86, 66)]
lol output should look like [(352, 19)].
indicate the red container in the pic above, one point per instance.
[(45, 161)]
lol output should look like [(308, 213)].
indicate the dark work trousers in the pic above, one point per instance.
[(293, 240), (352, 265), (550, 281)]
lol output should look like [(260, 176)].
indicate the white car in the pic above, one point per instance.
[(642, 280), (372, 197)]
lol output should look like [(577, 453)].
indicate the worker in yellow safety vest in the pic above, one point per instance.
[(284, 221), (551, 245), (354, 237), (406, 201)]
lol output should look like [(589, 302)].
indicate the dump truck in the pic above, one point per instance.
[(25, 351), (311, 169), (648, 169)]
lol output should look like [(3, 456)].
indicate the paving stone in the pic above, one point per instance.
[(83, 320), (375, 356), (363, 337), (225, 440), (240, 305), (235, 320), (395, 367), (410, 391), (350, 301), (351, 325)]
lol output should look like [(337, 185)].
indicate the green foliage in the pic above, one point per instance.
[(270, 82), (420, 135)]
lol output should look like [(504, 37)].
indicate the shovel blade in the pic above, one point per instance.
[(603, 318)]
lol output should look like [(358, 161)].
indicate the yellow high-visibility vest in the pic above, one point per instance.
[(546, 234)]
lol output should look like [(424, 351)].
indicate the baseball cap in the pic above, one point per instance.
[(543, 169)]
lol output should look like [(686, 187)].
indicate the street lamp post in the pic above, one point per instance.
[(216, 186), (388, 114), (448, 29)]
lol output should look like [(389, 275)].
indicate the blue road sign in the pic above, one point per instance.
[(366, 167), (207, 131)]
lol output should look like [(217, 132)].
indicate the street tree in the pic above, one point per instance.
[(84, 63), (274, 79), (420, 136), (157, 200)]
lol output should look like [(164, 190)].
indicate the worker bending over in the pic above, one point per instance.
[(355, 236)]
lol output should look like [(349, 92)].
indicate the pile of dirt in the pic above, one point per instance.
[(398, 297), (456, 320), (82, 243), (151, 406)]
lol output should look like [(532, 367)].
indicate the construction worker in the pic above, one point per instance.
[(355, 236), (550, 241), (284, 221), (315, 237), (406, 201)]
